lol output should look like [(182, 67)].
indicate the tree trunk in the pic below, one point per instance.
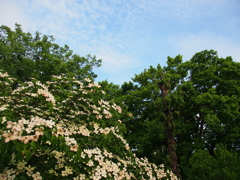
[(171, 144)]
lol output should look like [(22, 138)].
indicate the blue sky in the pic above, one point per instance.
[(131, 35)]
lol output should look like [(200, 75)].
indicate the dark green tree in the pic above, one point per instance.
[(184, 107), (158, 85), (223, 164), (211, 114)]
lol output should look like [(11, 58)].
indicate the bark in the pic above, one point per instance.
[(171, 144)]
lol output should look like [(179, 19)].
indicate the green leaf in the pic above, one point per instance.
[(62, 146), (76, 158), (53, 140), (70, 154), (48, 134), (34, 145), (27, 146), (22, 177), (19, 146), (27, 154), (61, 138)]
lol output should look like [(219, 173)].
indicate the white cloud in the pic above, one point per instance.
[(114, 60), (185, 9), (189, 44), (11, 13)]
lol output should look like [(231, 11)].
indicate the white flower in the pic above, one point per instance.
[(90, 163), (3, 107), (87, 79)]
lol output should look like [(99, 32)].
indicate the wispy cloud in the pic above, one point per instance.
[(103, 29), (113, 60), (119, 32), (183, 9), (189, 44)]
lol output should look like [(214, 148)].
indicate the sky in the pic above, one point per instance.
[(131, 35)]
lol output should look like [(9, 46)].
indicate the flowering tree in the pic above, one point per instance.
[(64, 130)]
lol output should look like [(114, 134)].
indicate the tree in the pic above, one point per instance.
[(223, 165), (195, 102), (211, 94), (25, 56), (167, 79), (64, 130)]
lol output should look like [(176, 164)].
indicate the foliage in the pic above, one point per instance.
[(201, 106), (25, 56), (64, 130), (222, 165)]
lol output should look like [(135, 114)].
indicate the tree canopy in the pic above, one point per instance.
[(25, 56), (184, 107)]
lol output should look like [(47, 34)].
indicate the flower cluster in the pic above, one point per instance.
[(65, 130), (34, 125), (11, 174)]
